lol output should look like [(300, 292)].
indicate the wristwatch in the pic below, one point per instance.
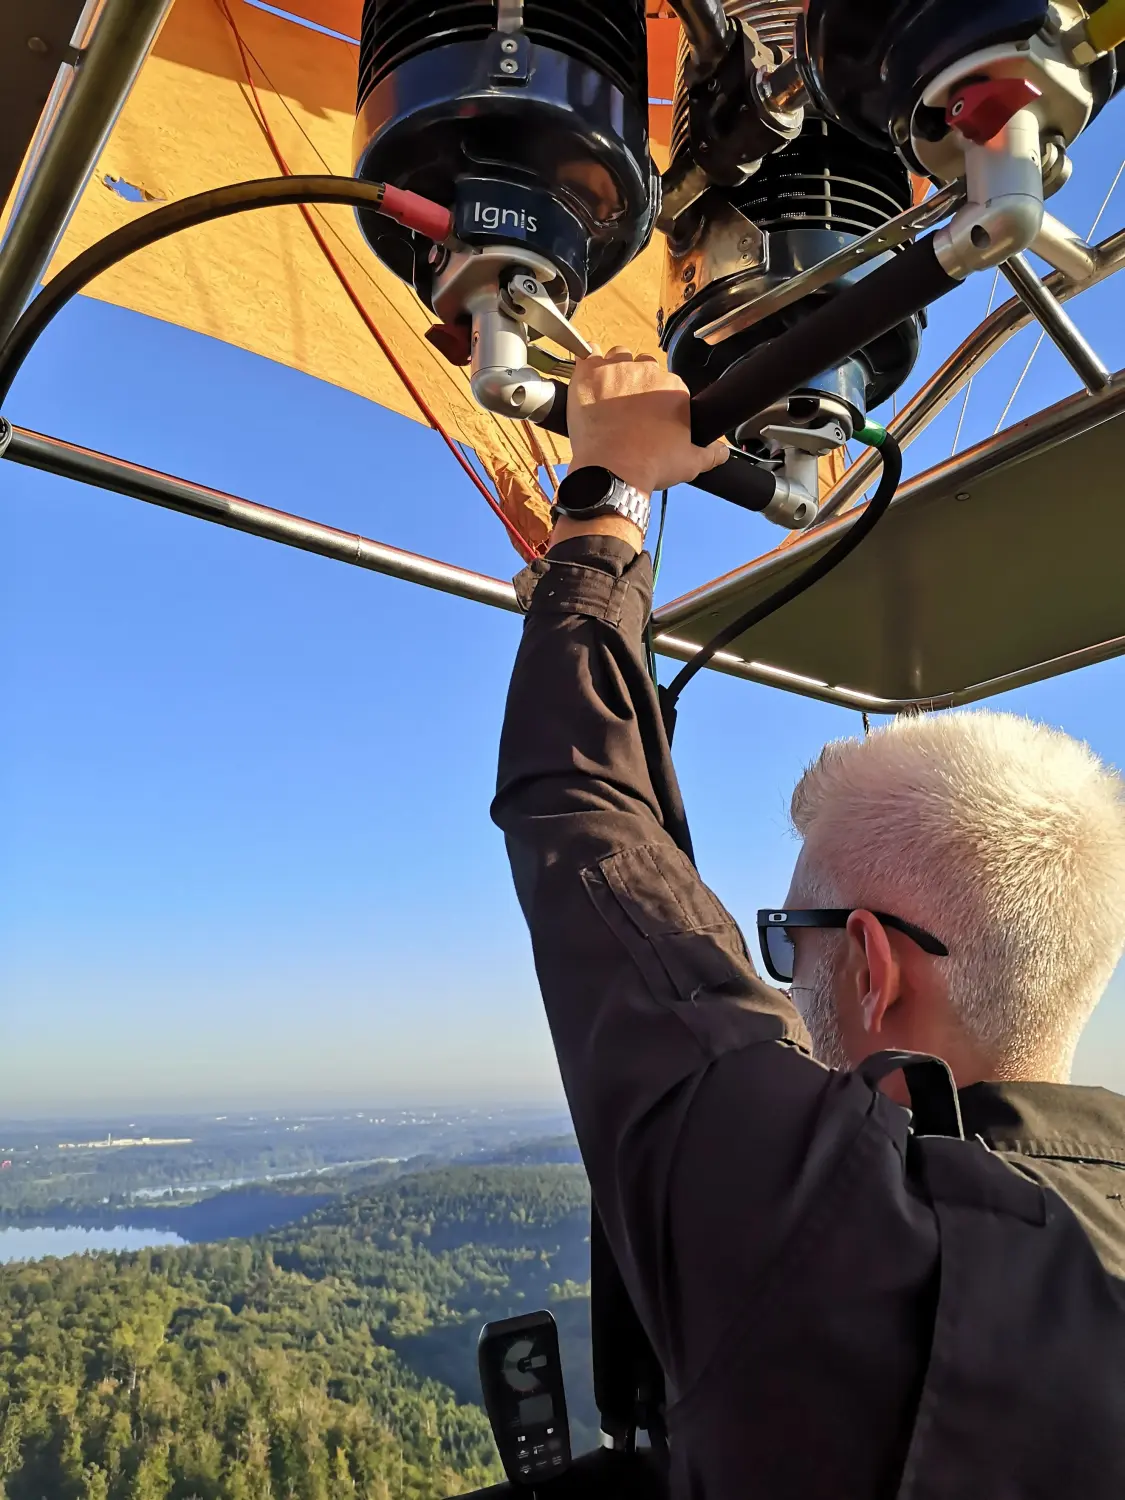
[(594, 491)]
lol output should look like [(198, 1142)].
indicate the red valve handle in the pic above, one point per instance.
[(981, 110)]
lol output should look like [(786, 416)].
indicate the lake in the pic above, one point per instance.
[(34, 1244), (239, 1214)]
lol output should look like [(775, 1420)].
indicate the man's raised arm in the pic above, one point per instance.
[(692, 1109)]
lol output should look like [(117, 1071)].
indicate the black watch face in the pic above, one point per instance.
[(586, 489)]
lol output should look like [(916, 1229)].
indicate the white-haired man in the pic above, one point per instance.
[(1007, 835), (848, 1301)]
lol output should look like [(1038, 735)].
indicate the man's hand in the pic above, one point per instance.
[(632, 417)]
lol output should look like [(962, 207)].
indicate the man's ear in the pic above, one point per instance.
[(874, 970)]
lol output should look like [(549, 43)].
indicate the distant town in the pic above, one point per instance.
[(112, 1141)]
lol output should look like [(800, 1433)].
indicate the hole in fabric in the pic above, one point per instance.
[(129, 190)]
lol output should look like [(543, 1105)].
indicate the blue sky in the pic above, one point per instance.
[(244, 791)]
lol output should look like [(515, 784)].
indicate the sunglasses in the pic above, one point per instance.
[(777, 942)]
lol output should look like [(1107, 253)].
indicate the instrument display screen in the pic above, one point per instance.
[(522, 1382)]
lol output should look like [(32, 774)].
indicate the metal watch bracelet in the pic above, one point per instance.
[(624, 500)]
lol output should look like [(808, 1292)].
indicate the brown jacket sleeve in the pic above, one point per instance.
[(700, 1115)]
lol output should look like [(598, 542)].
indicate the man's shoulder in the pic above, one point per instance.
[(1068, 1138), (1050, 1120)]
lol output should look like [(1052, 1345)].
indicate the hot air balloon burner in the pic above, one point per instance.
[(886, 74), (529, 119), (791, 208)]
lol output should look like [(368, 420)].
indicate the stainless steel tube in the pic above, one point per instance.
[(89, 467), (961, 366), (86, 466), (1078, 414), (1056, 324), (706, 28), (1075, 414), (1060, 247), (888, 236), (121, 39), (64, 81)]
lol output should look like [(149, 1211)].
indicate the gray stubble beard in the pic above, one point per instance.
[(818, 1011)]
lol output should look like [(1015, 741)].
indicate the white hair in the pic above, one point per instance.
[(1002, 837)]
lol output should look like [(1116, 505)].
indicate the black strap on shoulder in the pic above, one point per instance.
[(933, 1093)]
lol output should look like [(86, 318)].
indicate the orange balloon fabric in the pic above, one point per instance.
[(260, 280)]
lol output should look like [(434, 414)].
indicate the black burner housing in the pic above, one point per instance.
[(538, 138)]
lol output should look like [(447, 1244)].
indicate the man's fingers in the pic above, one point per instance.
[(619, 355), (717, 454), (647, 359)]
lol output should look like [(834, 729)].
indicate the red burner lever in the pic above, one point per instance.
[(981, 110)]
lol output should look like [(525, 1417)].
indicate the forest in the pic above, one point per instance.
[(332, 1359)]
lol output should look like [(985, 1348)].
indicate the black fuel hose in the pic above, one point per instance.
[(738, 480), (824, 338), (741, 481), (829, 335), (202, 208), (891, 455)]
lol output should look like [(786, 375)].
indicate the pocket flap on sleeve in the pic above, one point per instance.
[(677, 919)]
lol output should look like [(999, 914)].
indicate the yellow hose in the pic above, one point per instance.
[(1106, 27)]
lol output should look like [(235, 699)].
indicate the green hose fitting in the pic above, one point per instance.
[(874, 435)]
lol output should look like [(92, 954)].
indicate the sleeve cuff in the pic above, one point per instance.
[(607, 553), (598, 576)]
